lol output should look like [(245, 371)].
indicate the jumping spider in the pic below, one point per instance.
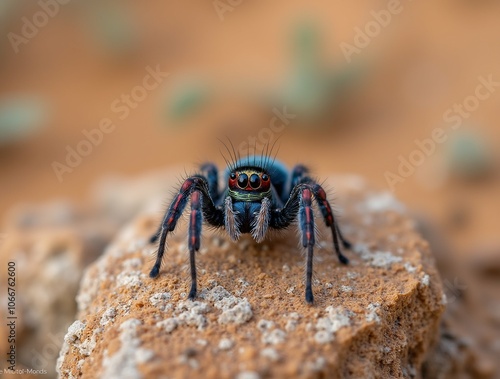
[(260, 194)]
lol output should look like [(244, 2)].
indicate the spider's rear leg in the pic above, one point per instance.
[(170, 221), (209, 170), (306, 222), (195, 223), (326, 211)]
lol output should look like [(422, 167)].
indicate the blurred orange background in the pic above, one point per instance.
[(362, 80)]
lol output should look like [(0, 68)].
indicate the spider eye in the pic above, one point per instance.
[(232, 176), (254, 181), (242, 180), (265, 177)]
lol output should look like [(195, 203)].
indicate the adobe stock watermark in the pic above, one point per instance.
[(42, 359), (224, 6), (121, 107), (454, 116), (31, 25), (277, 124), (372, 29), (455, 290)]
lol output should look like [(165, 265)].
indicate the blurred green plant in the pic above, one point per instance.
[(111, 25), (188, 99), (20, 118), (311, 91), (468, 155)]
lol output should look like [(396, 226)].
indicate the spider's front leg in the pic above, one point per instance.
[(196, 189), (300, 202)]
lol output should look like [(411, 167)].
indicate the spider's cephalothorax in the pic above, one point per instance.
[(260, 195)]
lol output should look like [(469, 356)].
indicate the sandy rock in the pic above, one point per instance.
[(376, 317), (50, 247)]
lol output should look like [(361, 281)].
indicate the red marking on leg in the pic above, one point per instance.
[(306, 196), (177, 201), (308, 215), (329, 216), (186, 185), (195, 198), (320, 192)]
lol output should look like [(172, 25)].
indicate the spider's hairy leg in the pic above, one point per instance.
[(306, 222), (175, 210), (329, 218), (209, 170), (170, 221), (195, 223), (345, 243), (299, 202)]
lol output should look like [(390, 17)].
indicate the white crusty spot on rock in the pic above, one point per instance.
[(410, 268), (160, 300), (372, 315), (123, 364), (352, 275), (292, 321), (381, 202), (265, 325), (377, 259), (168, 324), (192, 313), (274, 337), (270, 354), (234, 309), (248, 375), (327, 326), (108, 316), (87, 347), (74, 332), (238, 314), (346, 288), (129, 279), (425, 280), (74, 338), (225, 344)]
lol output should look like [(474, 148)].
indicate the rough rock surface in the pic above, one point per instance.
[(376, 317), (51, 244)]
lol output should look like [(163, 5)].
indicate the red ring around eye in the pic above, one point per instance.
[(232, 180), (265, 182)]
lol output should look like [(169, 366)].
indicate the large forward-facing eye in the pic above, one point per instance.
[(242, 181), (254, 181)]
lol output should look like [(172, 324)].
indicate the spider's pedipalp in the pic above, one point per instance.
[(231, 223)]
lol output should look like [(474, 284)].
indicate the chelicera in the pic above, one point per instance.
[(260, 195)]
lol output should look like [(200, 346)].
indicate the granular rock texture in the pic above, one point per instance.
[(50, 245), (377, 317)]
